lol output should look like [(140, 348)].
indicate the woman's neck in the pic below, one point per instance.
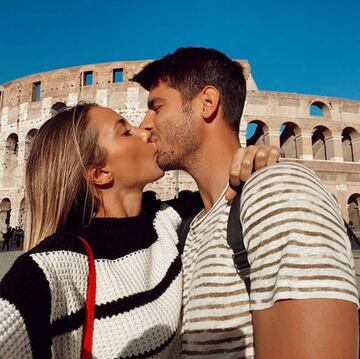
[(120, 204)]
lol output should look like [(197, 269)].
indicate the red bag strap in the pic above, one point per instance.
[(90, 304)]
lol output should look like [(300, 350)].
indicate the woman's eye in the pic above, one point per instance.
[(127, 132)]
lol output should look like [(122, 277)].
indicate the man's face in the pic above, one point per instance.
[(173, 127)]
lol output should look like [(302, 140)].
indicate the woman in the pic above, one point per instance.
[(85, 176)]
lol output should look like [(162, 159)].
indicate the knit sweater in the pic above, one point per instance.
[(138, 295)]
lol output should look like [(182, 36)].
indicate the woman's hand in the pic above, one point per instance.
[(249, 159)]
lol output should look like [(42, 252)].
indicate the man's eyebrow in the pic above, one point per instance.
[(151, 103)]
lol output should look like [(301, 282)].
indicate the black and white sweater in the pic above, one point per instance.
[(138, 296)]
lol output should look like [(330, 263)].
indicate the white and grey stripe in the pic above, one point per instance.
[(297, 247)]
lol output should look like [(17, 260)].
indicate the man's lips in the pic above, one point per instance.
[(153, 145), (154, 139)]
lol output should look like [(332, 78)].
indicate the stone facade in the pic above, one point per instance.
[(328, 142)]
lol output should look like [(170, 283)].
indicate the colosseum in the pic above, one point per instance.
[(321, 132)]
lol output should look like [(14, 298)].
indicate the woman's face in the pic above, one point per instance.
[(130, 157)]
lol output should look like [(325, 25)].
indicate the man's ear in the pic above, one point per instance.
[(99, 176), (210, 98)]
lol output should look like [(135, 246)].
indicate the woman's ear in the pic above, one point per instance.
[(99, 176), (210, 98)]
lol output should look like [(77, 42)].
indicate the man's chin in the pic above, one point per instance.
[(173, 168), (168, 166), (169, 162)]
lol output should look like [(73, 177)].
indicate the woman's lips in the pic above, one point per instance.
[(153, 144), (154, 141)]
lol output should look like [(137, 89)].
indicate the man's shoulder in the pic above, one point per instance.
[(284, 186), (295, 238), (280, 178), (279, 170)]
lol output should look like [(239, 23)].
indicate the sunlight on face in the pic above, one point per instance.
[(130, 157)]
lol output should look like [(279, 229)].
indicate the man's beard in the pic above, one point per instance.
[(180, 145)]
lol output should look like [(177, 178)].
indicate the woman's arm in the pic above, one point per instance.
[(246, 161)]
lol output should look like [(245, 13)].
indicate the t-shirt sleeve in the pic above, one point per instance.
[(295, 237), (25, 302)]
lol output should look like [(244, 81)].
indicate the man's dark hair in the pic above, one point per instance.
[(190, 69)]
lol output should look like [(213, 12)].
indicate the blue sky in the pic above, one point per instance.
[(293, 46)]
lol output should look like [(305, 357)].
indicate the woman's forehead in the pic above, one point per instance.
[(101, 113)]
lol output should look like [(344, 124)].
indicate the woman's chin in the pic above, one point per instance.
[(154, 176), (161, 174)]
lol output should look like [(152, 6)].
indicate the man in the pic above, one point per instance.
[(303, 299)]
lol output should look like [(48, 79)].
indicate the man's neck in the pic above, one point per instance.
[(211, 168)]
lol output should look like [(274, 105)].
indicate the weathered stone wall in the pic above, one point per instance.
[(21, 114), (277, 113)]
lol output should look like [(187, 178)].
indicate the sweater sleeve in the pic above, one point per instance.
[(25, 304)]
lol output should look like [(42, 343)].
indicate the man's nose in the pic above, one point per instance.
[(147, 123)]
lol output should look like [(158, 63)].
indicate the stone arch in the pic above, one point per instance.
[(290, 143), (11, 151), (319, 108), (5, 214), (29, 141), (258, 131), (321, 145), (22, 210), (350, 139), (353, 208)]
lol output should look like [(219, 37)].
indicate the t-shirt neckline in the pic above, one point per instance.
[(197, 222)]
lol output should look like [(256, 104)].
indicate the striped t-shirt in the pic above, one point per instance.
[(297, 247)]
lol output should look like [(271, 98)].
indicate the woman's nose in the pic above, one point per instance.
[(143, 134)]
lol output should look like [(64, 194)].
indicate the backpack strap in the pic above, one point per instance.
[(234, 238), (183, 231), (235, 241)]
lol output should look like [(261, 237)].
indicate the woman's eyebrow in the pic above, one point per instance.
[(120, 121)]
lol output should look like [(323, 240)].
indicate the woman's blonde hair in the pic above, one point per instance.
[(58, 193)]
